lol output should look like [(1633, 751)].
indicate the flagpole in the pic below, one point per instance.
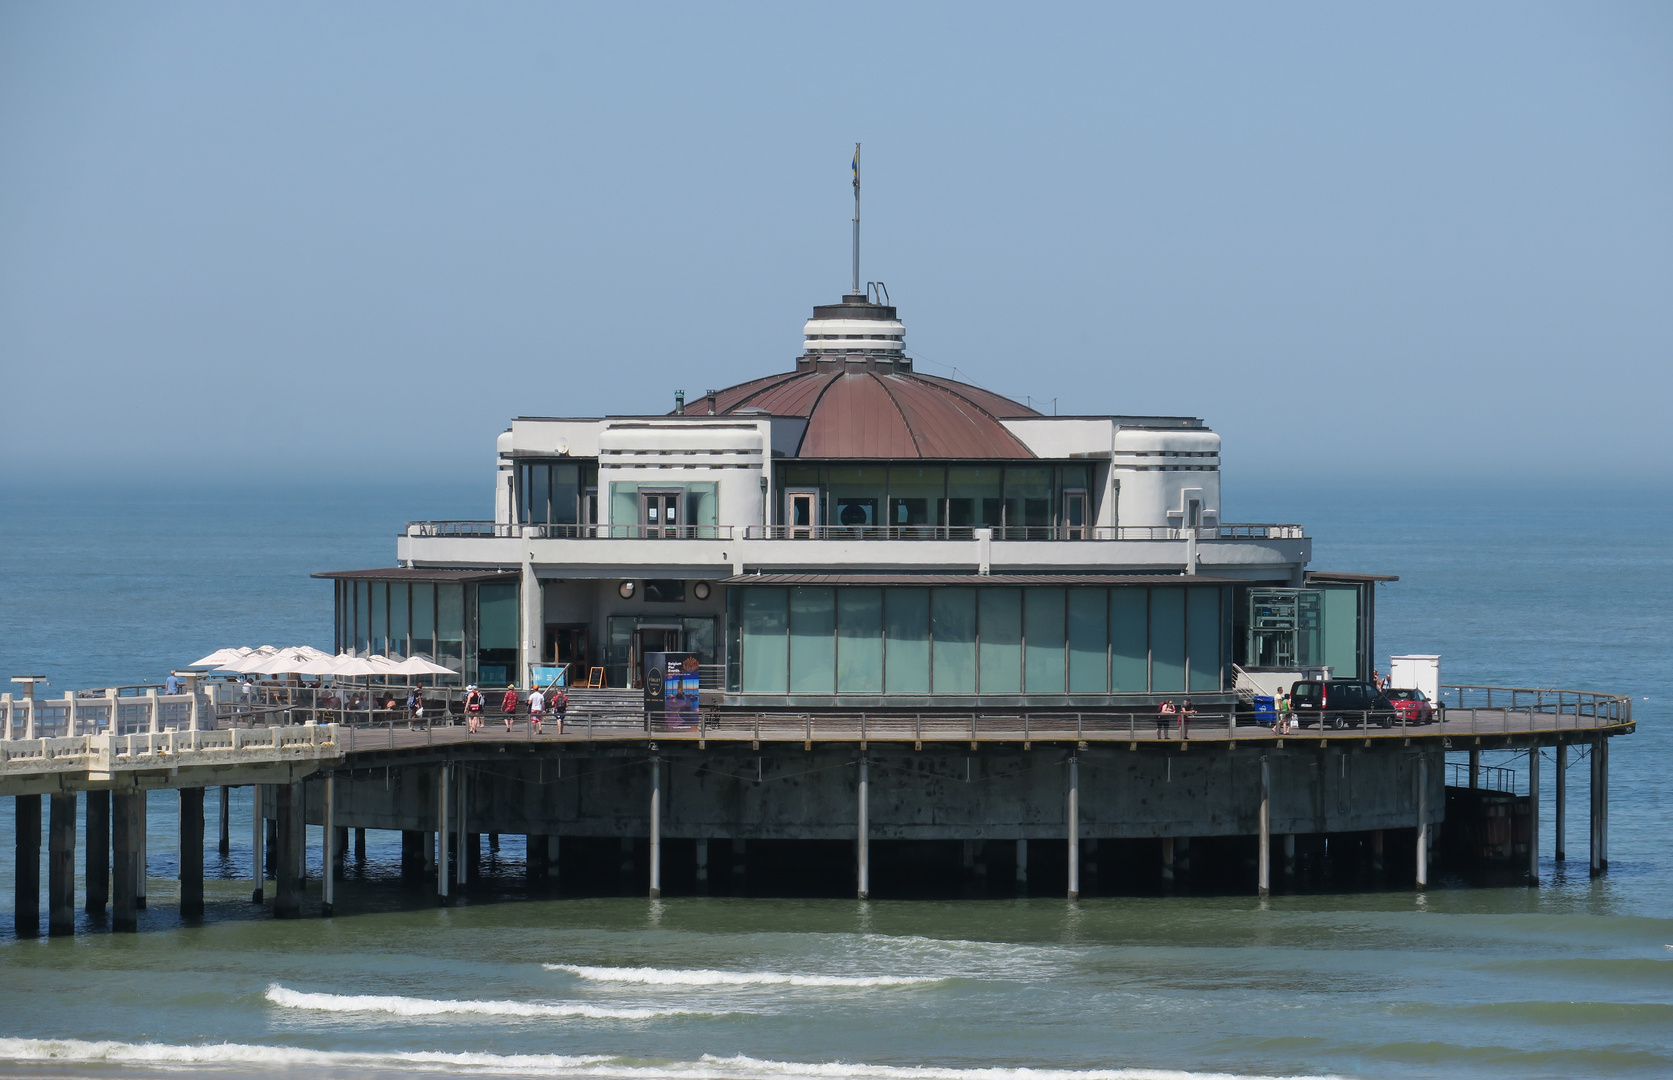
[(856, 289)]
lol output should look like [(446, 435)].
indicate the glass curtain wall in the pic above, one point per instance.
[(841, 640), (554, 492), (420, 618), (1025, 501)]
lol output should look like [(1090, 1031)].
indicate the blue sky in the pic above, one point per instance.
[(345, 243)]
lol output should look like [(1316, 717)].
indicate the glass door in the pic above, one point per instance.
[(1074, 515), (803, 516), (659, 514)]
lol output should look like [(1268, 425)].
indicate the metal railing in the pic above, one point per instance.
[(1614, 707), (1001, 533), (1495, 778)]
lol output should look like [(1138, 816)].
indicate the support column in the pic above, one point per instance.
[(1560, 847), (191, 853), (1603, 803), (258, 844), (1074, 827), (287, 874), (1264, 866), (1167, 860), (27, 880), (328, 874), (1289, 855), (494, 842), (1533, 815), (443, 834), (1377, 850), (124, 819), (412, 855), (226, 820), (862, 846), (98, 852), (1595, 841), (656, 828), (360, 845), (1475, 769), (740, 866), (1422, 822), (141, 870), (61, 866), (1022, 865), (531, 608), (702, 865)]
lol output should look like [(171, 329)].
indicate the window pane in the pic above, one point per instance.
[(1341, 630), (1043, 641), (1203, 619), (1088, 642), (1027, 499), (973, 496), (566, 493), (450, 626), (700, 639), (1001, 629), (398, 625), (953, 655), (363, 617), (916, 495), (1167, 640), (765, 654), (857, 496), (1129, 641), (860, 641), (380, 616), (812, 640), (908, 641), (496, 633), (424, 619)]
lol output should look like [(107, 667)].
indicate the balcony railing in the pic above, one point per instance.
[(1003, 533)]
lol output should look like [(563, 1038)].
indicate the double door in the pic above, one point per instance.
[(659, 514)]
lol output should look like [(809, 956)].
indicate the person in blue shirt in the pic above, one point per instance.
[(172, 684)]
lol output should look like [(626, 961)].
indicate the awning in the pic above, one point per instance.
[(418, 573), (979, 579), (1346, 579)]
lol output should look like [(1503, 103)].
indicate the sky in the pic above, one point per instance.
[(345, 243)]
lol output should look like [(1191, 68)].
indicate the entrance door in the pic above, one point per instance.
[(570, 643), (659, 513), (1074, 514), (649, 639), (803, 514)]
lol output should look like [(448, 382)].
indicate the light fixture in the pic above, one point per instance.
[(626, 590), (700, 590)]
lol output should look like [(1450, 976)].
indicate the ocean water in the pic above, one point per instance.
[(1574, 978)]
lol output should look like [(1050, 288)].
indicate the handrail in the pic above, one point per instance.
[(998, 533)]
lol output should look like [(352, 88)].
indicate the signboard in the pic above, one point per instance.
[(671, 686), (545, 675)]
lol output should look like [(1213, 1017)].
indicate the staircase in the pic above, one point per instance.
[(606, 709)]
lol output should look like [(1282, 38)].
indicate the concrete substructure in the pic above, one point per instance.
[(191, 853), (97, 869), (26, 881), (61, 866)]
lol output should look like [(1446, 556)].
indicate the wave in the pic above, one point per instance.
[(701, 977), (407, 1006), (164, 1055)]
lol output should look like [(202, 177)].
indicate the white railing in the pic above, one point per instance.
[(1001, 533), (106, 712)]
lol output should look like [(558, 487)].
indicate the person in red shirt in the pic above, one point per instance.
[(508, 705)]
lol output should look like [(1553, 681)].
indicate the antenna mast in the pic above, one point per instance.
[(854, 291)]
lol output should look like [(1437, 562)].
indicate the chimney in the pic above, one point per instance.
[(679, 403)]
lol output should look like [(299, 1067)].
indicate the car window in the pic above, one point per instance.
[(1305, 691), (1404, 695)]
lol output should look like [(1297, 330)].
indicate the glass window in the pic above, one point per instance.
[(496, 633), (812, 640), (1043, 633), (380, 616), (1028, 501), (907, 612), (1202, 618), (799, 476), (765, 648), (973, 497), (1001, 635), (399, 627), (1167, 640), (859, 620), (1129, 641), (424, 619), (363, 617), (857, 496), (566, 494), (450, 626), (916, 496), (700, 639), (624, 509), (664, 591), (537, 493), (1088, 641), (953, 652), (1341, 630), (1073, 476)]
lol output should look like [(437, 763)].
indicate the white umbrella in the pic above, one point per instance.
[(322, 665), (284, 663), (347, 665), (219, 657), (246, 664), (311, 652), (417, 665)]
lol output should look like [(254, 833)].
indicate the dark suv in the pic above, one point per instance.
[(1340, 703)]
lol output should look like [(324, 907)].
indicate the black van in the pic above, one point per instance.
[(1340, 703)]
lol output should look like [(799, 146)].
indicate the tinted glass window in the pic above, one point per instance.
[(1306, 691)]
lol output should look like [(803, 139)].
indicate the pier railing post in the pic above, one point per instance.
[(863, 835)]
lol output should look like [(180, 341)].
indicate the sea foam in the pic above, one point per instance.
[(408, 1006), (700, 977)]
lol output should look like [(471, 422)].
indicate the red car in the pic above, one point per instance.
[(1411, 706)]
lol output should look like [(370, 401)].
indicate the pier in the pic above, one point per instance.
[(1014, 795)]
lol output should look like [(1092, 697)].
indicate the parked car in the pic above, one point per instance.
[(1413, 706), (1340, 703)]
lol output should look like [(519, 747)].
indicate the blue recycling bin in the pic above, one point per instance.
[(1265, 711)]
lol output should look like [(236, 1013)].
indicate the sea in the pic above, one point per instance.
[(1512, 584)]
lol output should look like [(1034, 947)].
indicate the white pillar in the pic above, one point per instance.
[(70, 713), (258, 845), (1264, 884), (152, 704), (1074, 827), (530, 606), (656, 828), (1422, 821), (328, 882), (863, 846)]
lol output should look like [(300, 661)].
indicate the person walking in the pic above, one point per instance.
[(415, 709), (508, 706), (1186, 711), (473, 710), (1164, 718), (1282, 727), (559, 704), (537, 709)]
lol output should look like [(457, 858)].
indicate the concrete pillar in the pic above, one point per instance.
[(330, 841), (862, 847), (1422, 822), (1475, 769), (412, 855), (61, 866), (1182, 857), (270, 864), (1603, 802), (258, 843), (1533, 815), (531, 608), (1560, 794), (1377, 850), (494, 841), (1167, 860), (702, 865), (1289, 855), (1074, 827), (191, 853), (461, 858), (360, 845), (473, 858), (740, 864), (656, 828), (27, 880), (226, 820), (124, 820), (143, 804), (1022, 865), (1264, 864), (340, 847), (443, 833), (287, 873), (98, 852)]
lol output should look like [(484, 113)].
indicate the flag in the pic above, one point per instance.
[(856, 166)]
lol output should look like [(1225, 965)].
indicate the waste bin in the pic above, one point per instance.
[(1265, 711)]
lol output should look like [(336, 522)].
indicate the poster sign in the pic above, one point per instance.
[(671, 686)]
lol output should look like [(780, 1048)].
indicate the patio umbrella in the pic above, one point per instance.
[(417, 665), (284, 663), (219, 657), (349, 666)]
